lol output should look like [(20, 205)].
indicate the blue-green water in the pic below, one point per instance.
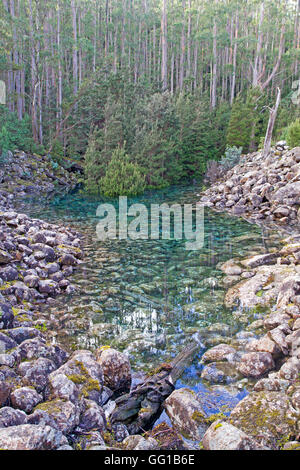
[(150, 297), (147, 297)]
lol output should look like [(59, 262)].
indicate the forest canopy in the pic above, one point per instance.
[(170, 83)]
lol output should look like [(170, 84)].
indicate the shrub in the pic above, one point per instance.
[(216, 169), (123, 177), (293, 134), (231, 158)]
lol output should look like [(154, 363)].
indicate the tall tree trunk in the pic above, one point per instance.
[(271, 123), (255, 77), (75, 52), (182, 49), (164, 47), (214, 67), (59, 88), (234, 59)]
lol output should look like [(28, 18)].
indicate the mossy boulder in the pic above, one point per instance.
[(267, 417)]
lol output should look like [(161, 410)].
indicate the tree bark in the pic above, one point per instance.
[(271, 123)]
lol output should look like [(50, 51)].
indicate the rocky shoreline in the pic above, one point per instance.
[(51, 399)]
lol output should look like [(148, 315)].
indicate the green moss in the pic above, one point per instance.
[(259, 293), (198, 417), (77, 379), (88, 384), (218, 425), (214, 417), (52, 406)]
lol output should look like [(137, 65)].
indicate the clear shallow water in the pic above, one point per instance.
[(147, 297)]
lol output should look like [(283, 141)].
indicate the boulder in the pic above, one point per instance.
[(266, 416), (11, 417), (220, 372), (256, 364), (80, 377), (218, 353), (92, 418), (25, 398), (224, 436), (137, 442), (116, 369), (31, 437), (64, 413), (186, 414)]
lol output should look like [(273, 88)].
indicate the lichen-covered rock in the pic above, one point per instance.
[(38, 347), (290, 369), (218, 353), (6, 316), (116, 369), (266, 416), (23, 333), (41, 417), (31, 437), (271, 385), (223, 436), (186, 414), (11, 417), (6, 343), (260, 260), (65, 414), (60, 386), (137, 442), (231, 268), (25, 398), (291, 445), (90, 441), (92, 418), (48, 286), (264, 344), (256, 364), (5, 389), (276, 319), (5, 257), (35, 373), (167, 437), (80, 377)]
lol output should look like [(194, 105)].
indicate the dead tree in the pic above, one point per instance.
[(271, 123)]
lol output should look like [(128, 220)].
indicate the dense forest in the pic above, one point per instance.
[(144, 92)]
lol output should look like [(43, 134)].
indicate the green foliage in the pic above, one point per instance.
[(15, 134), (231, 157), (57, 152), (240, 124), (170, 138), (293, 134), (122, 177), (91, 165)]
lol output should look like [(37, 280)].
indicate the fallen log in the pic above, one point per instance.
[(140, 408)]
